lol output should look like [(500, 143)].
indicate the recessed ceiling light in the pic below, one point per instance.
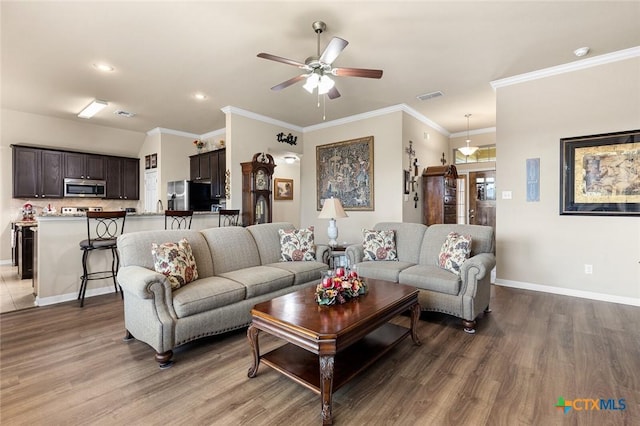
[(103, 67), (581, 52), (200, 96)]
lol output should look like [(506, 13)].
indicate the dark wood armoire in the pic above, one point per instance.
[(439, 194)]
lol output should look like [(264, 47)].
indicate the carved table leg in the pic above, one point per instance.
[(326, 387), (252, 335), (415, 317)]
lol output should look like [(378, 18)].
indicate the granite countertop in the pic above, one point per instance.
[(145, 214)]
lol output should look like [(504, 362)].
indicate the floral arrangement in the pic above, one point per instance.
[(339, 287), (199, 144)]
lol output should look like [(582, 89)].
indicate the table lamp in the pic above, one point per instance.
[(332, 210)]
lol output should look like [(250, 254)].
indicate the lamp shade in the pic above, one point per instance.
[(332, 209)]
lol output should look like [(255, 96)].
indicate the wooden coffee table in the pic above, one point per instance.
[(329, 345)]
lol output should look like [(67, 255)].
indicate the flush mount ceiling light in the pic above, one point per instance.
[(583, 51), (103, 67), (200, 96), (289, 159), (468, 150), (93, 108)]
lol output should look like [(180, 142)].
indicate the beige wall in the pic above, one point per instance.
[(42, 131), (247, 136), (387, 175), (429, 145), (535, 245)]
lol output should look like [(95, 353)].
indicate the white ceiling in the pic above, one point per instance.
[(164, 52)]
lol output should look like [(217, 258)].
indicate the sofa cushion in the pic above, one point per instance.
[(206, 294), (382, 270), (408, 238), (303, 271), (232, 248), (260, 280), (431, 277), (455, 250), (297, 245), (379, 245), (267, 240), (175, 261)]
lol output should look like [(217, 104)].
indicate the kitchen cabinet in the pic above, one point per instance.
[(25, 251), (123, 178), (439, 194), (218, 169), (37, 173), (79, 165), (200, 166)]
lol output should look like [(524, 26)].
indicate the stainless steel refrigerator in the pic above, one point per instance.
[(189, 195)]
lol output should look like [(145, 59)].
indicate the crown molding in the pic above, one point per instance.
[(473, 132), (620, 55), (163, 131), (376, 113), (242, 112), (214, 133)]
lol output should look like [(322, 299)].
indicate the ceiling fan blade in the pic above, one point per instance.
[(333, 93), (333, 49), (281, 59), (357, 72), (289, 82)]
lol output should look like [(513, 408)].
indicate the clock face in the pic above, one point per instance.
[(261, 180)]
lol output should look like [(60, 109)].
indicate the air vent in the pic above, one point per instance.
[(429, 95), (122, 113)]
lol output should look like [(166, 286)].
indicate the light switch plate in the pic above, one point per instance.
[(506, 195)]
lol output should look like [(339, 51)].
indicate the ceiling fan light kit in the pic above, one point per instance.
[(318, 68)]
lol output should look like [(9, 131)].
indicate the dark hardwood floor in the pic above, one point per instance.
[(68, 365)]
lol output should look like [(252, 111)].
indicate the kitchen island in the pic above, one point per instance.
[(60, 259)]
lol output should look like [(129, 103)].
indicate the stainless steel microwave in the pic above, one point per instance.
[(84, 188)]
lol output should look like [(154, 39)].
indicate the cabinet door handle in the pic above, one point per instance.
[(36, 195)]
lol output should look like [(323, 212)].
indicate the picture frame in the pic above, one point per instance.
[(344, 170), (147, 161), (599, 174), (407, 182), (154, 161), (282, 189)]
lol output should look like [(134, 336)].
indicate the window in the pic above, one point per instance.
[(482, 155)]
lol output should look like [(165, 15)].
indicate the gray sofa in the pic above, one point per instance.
[(237, 268), (418, 246)]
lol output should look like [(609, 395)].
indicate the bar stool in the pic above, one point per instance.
[(228, 217), (177, 219), (103, 229)]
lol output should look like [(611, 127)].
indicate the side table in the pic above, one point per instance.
[(338, 256)]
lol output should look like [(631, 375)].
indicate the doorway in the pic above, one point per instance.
[(482, 198)]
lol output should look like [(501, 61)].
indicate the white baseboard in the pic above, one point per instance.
[(5, 262), (569, 292), (52, 300)]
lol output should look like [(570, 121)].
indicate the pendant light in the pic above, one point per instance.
[(468, 150)]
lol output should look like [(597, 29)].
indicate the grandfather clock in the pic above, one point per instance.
[(256, 189)]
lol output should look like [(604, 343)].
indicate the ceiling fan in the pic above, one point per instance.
[(317, 69)]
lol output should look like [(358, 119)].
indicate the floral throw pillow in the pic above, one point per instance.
[(454, 252), (297, 245), (379, 245), (176, 262)]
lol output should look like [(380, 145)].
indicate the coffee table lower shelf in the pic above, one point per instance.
[(303, 366)]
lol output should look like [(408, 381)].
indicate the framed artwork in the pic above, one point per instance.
[(407, 182), (344, 170), (147, 161), (154, 161), (283, 189), (600, 174)]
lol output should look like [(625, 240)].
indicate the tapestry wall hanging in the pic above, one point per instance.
[(344, 170)]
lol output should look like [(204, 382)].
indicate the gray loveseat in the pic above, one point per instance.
[(418, 248), (237, 268)]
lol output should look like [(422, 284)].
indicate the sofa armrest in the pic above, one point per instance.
[(476, 269), (355, 253), (322, 253), (139, 281)]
